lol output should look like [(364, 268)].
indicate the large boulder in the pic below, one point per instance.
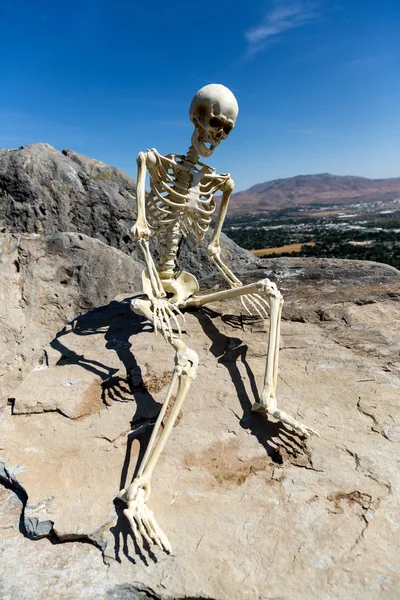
[(45, 191), (251, 510), (45, 281)]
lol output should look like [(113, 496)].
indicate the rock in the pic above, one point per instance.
[(45, 281), (45, 570), (315, 518), (195, 260), (45, 191)]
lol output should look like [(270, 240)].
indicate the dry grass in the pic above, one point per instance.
[(281, 249), (365, 243)]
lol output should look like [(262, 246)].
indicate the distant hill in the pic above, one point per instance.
[(301, 190)]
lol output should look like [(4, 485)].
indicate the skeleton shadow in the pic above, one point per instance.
[(118, 324), (228, 350)]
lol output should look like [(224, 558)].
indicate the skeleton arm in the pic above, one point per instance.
[(214, 249), (253, 303), (141, 231), (160, 310)]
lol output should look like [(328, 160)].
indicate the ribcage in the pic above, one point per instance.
[(181, 198)]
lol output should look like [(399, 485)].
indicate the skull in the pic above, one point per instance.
[(213, 112)]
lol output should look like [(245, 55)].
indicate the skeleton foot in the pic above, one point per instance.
[(268, 405), (142, 522)]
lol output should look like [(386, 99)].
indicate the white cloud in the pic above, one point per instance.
[(283, 15), (370, 61)]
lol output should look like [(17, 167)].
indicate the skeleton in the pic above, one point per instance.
[(181, 203)]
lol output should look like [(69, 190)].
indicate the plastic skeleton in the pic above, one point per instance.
[(181, 203)]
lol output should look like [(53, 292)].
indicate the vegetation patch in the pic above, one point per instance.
[(367, 231)]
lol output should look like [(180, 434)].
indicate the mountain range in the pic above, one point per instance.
[(302, 190)]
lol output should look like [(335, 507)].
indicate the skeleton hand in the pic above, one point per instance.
[(258, 301), (163, 311), (254, 304), (141, 230), (141, 518)]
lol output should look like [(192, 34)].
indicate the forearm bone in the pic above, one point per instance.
[(141, 231), (214, 248), (252, 303)]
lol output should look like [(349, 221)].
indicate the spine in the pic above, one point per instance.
[(169, 243), (169, 239)]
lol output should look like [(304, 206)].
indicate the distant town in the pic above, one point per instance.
[(367, 230)]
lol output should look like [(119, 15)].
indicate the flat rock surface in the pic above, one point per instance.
[(251, 510)]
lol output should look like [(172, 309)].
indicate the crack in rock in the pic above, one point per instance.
[(355, 456), (375, 428), (364, 500), (361, 534), (33, 528), (135, 591), (359, 466)]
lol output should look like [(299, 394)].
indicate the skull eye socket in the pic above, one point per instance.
[(216, 123)]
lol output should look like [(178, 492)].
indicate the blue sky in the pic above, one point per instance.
[(318, 82)]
